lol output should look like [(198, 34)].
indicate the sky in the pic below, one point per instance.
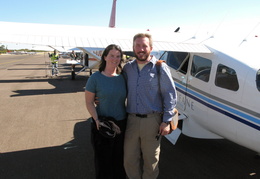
[(145, 14)]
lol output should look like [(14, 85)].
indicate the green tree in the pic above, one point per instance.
[(2, 47)]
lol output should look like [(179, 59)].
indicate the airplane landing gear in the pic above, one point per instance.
[(73, 75)]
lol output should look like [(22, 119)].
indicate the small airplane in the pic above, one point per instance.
[(217, 75), (82, 58)]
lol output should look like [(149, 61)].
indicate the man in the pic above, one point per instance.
[(54, 57), (73, 55), (150, 104)]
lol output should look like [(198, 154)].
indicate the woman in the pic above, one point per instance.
[(108, 85)]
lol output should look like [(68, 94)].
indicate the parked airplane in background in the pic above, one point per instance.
[(217, 75), (82, 58)]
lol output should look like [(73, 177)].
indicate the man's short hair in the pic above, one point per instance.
[(143, 35)]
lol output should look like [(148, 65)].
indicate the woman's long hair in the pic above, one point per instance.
[(103, 63)]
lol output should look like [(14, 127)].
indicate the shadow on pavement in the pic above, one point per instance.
[(207, 159), (62, 84), (189, 158), (71, 160)]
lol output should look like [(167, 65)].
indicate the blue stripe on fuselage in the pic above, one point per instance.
[(219, 107)]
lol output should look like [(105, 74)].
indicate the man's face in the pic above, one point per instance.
[(142, 48)]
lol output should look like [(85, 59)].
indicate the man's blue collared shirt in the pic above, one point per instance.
[(144, 94)]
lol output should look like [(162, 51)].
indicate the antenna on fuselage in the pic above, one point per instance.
[(177, 30), (112, 22), (245, 39)]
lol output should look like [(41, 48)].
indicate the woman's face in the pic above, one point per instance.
[(113, 58)]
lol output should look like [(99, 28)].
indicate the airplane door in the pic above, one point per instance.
[(191, 74), (178, 63), (198, 81)]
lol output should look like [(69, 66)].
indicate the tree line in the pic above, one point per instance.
[(3, 49)]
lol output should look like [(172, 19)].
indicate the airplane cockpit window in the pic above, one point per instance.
[(258, 80), (226, 77), (176, 60), (201, 68)]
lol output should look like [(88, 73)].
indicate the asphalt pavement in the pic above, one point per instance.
[(44, 132)]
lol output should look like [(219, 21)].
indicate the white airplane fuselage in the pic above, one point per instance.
[(219, 95)]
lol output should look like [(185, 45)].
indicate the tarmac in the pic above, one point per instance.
[(44, 132)]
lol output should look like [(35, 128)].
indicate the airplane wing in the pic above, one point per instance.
[(85, 38), (70, 36)]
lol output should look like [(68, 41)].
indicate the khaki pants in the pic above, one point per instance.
[(140, 143)]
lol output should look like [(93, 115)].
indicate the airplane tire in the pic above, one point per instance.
[(73, 75)]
